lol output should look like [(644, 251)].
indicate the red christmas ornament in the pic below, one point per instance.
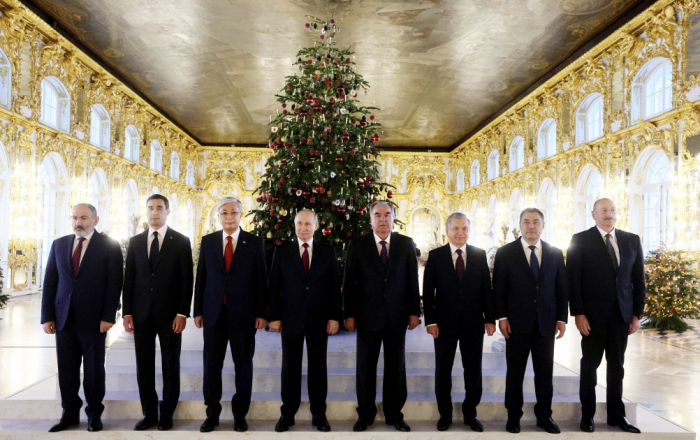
[(338, 159), (277, 242), (312, 199), (332, 100), (277, 226), (390, 194), (332, 21), (283, 163), (259, 200), (275, 200), (327, 231), (369, 178), (280, 220), (322, 191), (349, 234), (306, 163), (284, 112), (289, 85), (284, 105), (323, 36), (308, 25), (371, 117), (352, 152), (294, 151), (324, 200)]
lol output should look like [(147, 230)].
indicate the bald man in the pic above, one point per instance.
[(304, 304)]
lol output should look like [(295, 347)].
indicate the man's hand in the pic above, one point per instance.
[(105, 326), (582, 325), (504, 327), (413, 322), (332, 327), (490, 329), (49, 327), (179, 324), (433, 330), (198, 321), (350, 324), (276, 326), (560, 328), (260, 323), (634, 325), (129, 323)]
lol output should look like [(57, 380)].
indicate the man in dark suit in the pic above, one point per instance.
[(82, 284), (605, 269), (529, 282), (230, 302), (156, 299), (381, 299), (305, 299), (458, 306)]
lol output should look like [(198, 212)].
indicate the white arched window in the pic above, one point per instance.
[(460, 180), (5, 80), (652, 89), (55, 104), (98, 194), (493, 231), (189, 178), (4, 200), (546, 202), (547, 139), (587, 192), (132, 143), (99, 127), (156, 156), (174, 217), (474, 237), (174, 166), (516, 157), (492, 165), (133, 217), (589, 119), (514, 209), (474, 174), (54, 203), (190, 222)]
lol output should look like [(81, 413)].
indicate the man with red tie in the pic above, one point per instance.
[(82, 285), (230, 302), (305, 303)]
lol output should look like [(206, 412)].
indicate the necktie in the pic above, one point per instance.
[(611, 251), (305, 258), (384, 255), (76, 255), (459, 264), (534, 263), (155, 250), (228, 257)]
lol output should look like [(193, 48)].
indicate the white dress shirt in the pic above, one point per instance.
[(85, 245), (234, 239), (161, 237), (310, 248), (613, 240), (379, 246)]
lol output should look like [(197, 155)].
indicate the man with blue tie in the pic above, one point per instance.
[(230, 302), (305, 303), (605, 270), (458, 307), (82, 284), (529, 283)]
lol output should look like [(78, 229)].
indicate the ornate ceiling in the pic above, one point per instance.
[(438, 68)]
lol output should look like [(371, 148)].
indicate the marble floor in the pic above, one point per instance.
[(661, 375)]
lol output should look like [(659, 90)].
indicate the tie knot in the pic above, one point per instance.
[(229, 238), (532, 248), (459, 252), (608, 236), (81, 239), (383, 243), (305, 245), (155, 233)]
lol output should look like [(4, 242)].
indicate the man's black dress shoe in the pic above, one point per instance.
[(513, 426), (549, 425), (400, 425), (444, 424), (475, 425), (626, 426), (359, 426), (321, 423), (239, 424), (95, 425), (587, 424), (165, 423), (284, 423), (209, 424), (145, 423), (64, 424)]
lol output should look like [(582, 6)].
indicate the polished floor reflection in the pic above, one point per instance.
[(662, 374)]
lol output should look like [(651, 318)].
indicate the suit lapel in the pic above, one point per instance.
[(219, 249), (521, 256), (239, 252), (393, 261), (165, 247), (544, 261), (469, 270), (621, 245), (317, 253), (371, 249), (602, 248), (69, 254), (90, 251)]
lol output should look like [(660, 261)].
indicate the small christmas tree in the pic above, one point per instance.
[(672, 290), (324, 143)]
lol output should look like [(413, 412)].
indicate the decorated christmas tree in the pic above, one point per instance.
[(672, 290), (324, 148), (3, 298)]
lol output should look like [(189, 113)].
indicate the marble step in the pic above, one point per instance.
[(566, 383), (653, 427)]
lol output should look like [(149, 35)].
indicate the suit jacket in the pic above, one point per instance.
[(165, 291), (371, 295), (245, 283), (93, 293), (594, 285), (447, 301), (297, 298), (521, 298)]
